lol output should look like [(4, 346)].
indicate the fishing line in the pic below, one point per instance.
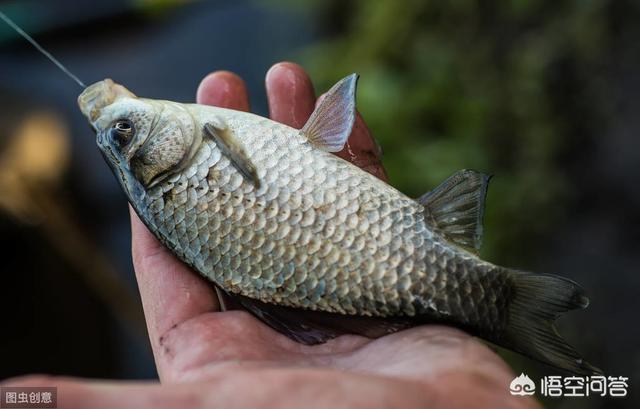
[(41, 49)]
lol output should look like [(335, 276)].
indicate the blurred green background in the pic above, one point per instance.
[(542, 94)]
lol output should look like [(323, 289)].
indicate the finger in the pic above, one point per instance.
[(446, 349), (363, 151), (223, 89), (456, 364), (171, 293), (290, 94)]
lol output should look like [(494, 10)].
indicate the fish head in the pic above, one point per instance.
[(143, 140)]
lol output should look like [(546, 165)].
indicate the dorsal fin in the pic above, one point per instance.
[(331, 122), (456, 208)]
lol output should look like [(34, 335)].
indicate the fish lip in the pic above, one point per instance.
[(95, 97), (99, 95)]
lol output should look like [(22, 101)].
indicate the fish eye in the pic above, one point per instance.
[(122, 132)]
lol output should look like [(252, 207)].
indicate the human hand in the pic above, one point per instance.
[(209, 358)]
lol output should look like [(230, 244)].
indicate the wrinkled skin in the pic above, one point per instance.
[(208, 358)]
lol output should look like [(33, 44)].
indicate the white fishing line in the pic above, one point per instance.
[(41, 49)]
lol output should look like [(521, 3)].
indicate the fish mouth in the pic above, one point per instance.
[(99, 95), (130, 185)]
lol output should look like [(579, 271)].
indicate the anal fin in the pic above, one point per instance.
[(456, 208), (315, 327)]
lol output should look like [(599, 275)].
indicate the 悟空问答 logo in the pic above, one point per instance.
[(522, 385)]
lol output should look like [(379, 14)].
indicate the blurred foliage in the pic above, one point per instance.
[(508, 88)]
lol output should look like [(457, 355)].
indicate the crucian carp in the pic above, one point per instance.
[(310, 244)]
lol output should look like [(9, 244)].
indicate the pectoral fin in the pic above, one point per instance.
[(456, 208), (231, 147), (331, 122)]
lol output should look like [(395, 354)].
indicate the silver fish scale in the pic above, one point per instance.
[(317, 234)]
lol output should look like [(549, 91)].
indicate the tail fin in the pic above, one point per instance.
[(538, 300)]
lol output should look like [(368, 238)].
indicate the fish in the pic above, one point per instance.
[(312, 245)]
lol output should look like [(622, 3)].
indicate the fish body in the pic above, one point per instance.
[(318, 234), (310, 243)]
